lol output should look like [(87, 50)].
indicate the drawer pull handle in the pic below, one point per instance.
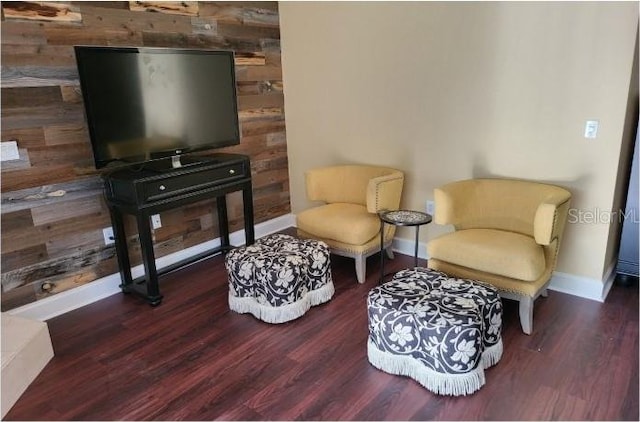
[(162, 187), (232, 171)]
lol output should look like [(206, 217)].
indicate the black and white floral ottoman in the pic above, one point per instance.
[(442, 332), (279, 277)]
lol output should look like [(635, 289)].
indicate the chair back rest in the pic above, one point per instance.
[(502, 204), (344, 183)]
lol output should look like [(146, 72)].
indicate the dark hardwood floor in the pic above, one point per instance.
[(193, 359)]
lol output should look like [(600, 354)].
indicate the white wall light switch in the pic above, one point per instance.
[(591, 129), (9, 151)]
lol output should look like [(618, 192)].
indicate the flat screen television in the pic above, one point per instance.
[(145, 104)]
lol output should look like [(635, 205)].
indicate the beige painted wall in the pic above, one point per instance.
[(448, 91)]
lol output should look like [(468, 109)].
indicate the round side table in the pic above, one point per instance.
[(401, 218)]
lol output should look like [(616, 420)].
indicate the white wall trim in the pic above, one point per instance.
[(101, 288), (69, 300), (585, 287)]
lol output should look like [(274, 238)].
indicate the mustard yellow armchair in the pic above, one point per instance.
[(507, 233), (348, 220)]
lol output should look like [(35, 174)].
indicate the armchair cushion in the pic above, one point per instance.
[(346, 223), (498, 252)]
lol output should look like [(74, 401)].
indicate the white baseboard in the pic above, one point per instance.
[(407, 247), (61, 303), (101, 288), (585, 287)]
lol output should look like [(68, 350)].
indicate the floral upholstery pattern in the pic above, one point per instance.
[(441, 331), (279, 277)]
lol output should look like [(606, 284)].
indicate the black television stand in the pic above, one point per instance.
[(146, 191)]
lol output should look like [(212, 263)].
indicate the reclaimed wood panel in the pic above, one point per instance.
[(30, 236), (19, 179), (261, 114), (189, 8), (17, 297), (39, 116), (62, 245), (43, 270), (42, 11), (258, 87), (31, 96), (66, 134), (26, 199), (28, 256), (53, 209), (71, 153), (26, 138), (262, 127), (18, 76), (162, 39), (228, 29), (80, 36), (66, 209), (123, 5), (249, 59), (71, 93), (38, 55), (13, 32), (204, 25), (262, 73), (16, 221), (65, 282), (275, 100), (99, 18)]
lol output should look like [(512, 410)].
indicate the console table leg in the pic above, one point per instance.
[(148, 258), (122, 251), (223, 221), (247, 201)]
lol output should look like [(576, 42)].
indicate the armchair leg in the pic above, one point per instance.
[(526, 314), (389, 252), (361, 268)]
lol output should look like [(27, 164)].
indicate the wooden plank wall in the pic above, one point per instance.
[(52, 207)]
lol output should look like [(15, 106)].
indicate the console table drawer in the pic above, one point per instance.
[(163, 188)]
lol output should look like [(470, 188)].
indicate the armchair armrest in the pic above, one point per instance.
[(549, 219), (384, 192)]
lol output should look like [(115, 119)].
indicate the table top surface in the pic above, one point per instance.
[(405, 217)]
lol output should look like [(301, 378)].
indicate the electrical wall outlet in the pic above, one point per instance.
[(431, 207), (156, 223), (109, 238)]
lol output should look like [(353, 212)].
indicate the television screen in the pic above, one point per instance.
[(150, 103)]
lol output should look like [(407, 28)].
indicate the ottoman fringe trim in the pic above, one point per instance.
[(452, 384), (322, 294), (492, 355), (280, 314)]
